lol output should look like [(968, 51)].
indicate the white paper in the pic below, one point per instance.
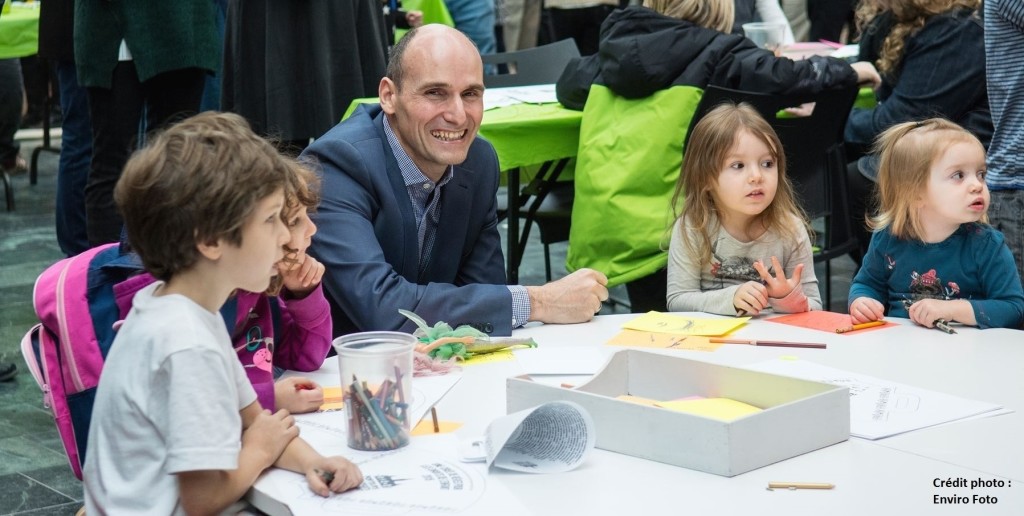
[(565, 360), (550, 438), (846, 51), (424, 477), (880, 408), (537, 94)]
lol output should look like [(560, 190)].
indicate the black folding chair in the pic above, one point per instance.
[(544, 201)]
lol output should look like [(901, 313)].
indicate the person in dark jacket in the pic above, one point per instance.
[(931, 57), (57, 44), (688, 42), (673, 49)]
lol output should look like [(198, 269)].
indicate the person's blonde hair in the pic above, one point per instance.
[(906, 152), (705, 154), (713, 14), (908, 17), (302, 192)]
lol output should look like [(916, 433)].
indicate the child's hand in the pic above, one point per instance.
[(335, 474), (866, 309), (778, 286), (926, 311), (270, 433), (751, 297), (415, 18), (298, 395), (301, 278)]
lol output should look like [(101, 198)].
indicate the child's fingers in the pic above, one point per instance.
[(797, 273), (315, 478), (780, 273), (759, 293), (762, 271)]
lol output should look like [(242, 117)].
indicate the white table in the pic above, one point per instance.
[(889, 476)]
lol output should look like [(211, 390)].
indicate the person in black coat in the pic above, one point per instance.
[(57, 44)]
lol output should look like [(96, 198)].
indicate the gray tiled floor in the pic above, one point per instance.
[(34, 475)]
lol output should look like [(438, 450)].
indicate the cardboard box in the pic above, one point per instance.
[(799, 416)]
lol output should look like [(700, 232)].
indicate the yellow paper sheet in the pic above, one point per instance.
[(637, 400), (658, 322), (498, 356), (646, 339), (722, 409)]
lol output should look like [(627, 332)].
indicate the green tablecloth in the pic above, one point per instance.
[(525, 134), (19, 31)]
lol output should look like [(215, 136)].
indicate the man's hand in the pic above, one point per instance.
[(298, 395), (572, 299), (866, 309), (751, 297)]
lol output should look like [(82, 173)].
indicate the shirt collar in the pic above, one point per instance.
[(411, 174)]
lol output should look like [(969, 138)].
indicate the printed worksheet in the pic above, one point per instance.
[(550, 438), (881, 408), (423, 478)]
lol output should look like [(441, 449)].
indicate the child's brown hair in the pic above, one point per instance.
[(302, 192), (196, 182)]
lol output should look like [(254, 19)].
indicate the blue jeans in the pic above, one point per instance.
[(75, 157), (475, 19)]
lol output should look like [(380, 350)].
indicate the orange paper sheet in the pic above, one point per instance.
[(333, 399), (426, 427), (645, 339), (824, 321)]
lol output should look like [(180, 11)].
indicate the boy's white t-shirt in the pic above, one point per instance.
[(168, 402)]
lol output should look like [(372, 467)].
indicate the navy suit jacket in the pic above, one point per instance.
[(366, 236)]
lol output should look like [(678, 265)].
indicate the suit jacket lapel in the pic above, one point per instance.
[(410, 247)]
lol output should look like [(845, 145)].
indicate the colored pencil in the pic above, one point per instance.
[(860, 326), (800, 485), (773, 343)]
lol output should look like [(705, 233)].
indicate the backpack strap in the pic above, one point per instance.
[(230, 314)]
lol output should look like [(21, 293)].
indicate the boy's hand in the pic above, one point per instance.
[(298, 395), (270, 433), (866, 309), (751, 297), (333, 474), (301, 278), (778, 286)]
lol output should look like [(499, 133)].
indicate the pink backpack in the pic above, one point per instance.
[(79, 302), (76, 305)]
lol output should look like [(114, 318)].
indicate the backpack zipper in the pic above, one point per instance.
[(65, 336)]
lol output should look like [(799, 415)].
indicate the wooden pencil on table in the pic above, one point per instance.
[(772, 343)]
